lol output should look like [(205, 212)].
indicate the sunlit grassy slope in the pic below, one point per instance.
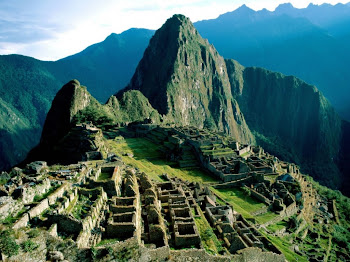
[(148, 159)]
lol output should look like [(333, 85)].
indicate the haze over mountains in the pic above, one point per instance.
[(27, 86), (182, 79), (311, 43), (292, 42)]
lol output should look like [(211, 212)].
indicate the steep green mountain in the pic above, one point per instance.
[(182, 79), (310, 43), (62, 142), (290, 118), (109, 65), (27, 86), (186, 80)]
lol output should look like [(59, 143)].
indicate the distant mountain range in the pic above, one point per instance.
[(181, 79), (28, 86), (311, 43)]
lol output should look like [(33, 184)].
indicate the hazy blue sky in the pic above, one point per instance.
[(52, 29)]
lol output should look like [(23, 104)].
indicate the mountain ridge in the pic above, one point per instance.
[(180, 70), (270, 38), (196, 86), (22, 78)]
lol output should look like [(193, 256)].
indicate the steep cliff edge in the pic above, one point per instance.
[(289, 118), (185, 79)]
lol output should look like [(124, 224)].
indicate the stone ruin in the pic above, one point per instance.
[(125, 211), (109, 201), (184, 231)]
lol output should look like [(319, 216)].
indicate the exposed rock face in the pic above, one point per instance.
[(182, 79), (185, 79), (70, 99), (290, 118)]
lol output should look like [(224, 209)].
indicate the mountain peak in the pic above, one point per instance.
[(71, 98), (176, 24), (284, 7), (244, 9), (186, 81)]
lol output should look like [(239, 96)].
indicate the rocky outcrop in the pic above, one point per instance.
[(290, 119), (70, 99), (185, 79)]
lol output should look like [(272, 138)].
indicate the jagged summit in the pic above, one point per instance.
[(185, 79), (285, 7)]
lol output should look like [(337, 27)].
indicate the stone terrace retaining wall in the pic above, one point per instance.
[(57, 193), (259, 196), (39, 189), (22, 222), (289, 211), (39, 208)]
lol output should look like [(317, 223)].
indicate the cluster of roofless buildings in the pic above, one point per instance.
[(114, 201)]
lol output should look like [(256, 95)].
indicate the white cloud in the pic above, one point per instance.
[(67, 27)]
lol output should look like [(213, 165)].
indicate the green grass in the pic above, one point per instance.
[(278, 226), (149, 160), (107, 241), (104, 176), (209, 240), (246, 205), (240, 201), (262, 219), (284, 245)]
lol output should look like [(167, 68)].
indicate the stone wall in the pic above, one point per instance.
[(57, 194), (9, 206), (53, 230), (261, 211), (233, 177), (156, 254), (289, 211), (66, 224), (22, 222), (196, 255), (83, 239), (259, 196), (237, 183), (30, 192), (111, 186), (244, 150), (256, 254), (39, 208)]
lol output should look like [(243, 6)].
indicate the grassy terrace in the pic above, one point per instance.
[(104, 176), (244, 204), (149, 160), (284, 244), (210, 242)]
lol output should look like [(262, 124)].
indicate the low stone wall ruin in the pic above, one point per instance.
[(30, 192), (39, 208), (57, 193), (22, 222)]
